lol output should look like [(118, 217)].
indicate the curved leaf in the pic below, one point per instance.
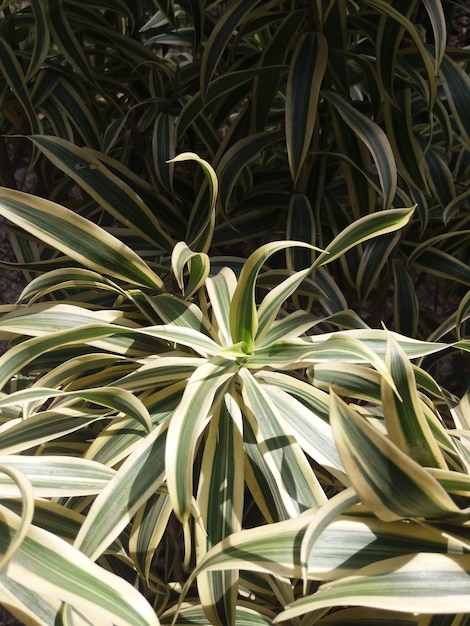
[(76, 237)]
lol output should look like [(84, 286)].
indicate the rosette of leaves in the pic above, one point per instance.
[(144, 425)]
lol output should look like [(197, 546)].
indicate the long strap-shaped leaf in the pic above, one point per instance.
[(344, 547), (220, 501), (52, 567), (186, 425), (55, 475), (376, 141), (111, 397), (423, 583), (140, 475), (303, 89), (361, 230), (296, 484), (107, 188), (76, 237), (404, 417), (386, 479)]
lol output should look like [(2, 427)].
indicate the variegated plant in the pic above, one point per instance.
[(150, 427)]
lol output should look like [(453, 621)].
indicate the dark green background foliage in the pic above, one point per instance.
[(289, 102)]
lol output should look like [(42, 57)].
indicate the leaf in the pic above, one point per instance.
[(66, 40), (220, 37), (186, 425), (376, 141), (55, 475), (386, 479), (421, 583), (362, 229), (220, 501), (243, 317), (199, 266), (201, 236), (112, 397), (456, 83), (304, 410), (76, 237), (404, 416), (306, 72), (13, 74), (114, 191), (137, 479), (345, 546), (405, 302), (220, 289), (239, 156), (41, 40), (40, 561), (296, 486)]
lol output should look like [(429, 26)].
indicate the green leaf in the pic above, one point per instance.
[(364, 228), (376, 141), (118, 399), (186, 425), (296, 484), (386, 479), (198, 264), (345, 546), (239, 156), (41, 40), (201, 237), (40, 561), (220, 37), (306, 72), (65, 38), (220, 289), (304, 410), (13, 74), (137, 479), (55, 475), (243, 316), (405, 302), (220, 502), (404, 416), (76, 237), (113, 191), (421, 583), (456, 83)]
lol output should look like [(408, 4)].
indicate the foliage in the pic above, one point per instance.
[(311, 117), (196, 427)]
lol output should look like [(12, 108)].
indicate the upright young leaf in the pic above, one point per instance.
[(243, 316)]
